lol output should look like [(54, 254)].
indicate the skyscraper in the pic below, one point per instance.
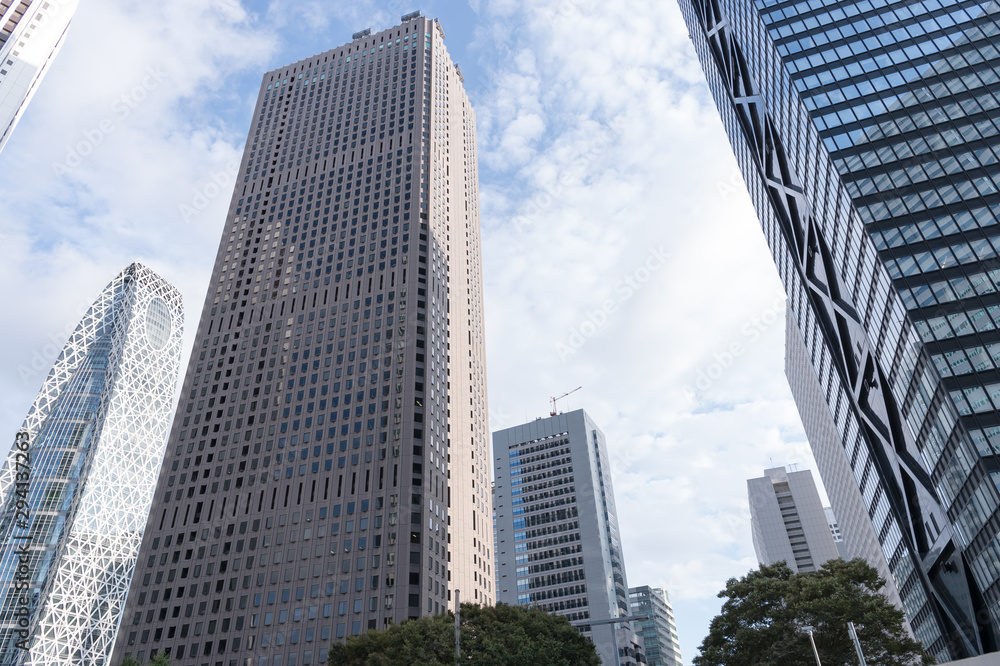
[(327, 470), (838, 537), (659, 633), (76, 487), (856, 529), (558, 544), (788, 522), (865, 130), (31, 34)]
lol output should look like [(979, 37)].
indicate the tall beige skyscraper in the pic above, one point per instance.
[(327, 468)]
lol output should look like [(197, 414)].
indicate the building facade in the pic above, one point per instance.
[(558, 543), (866, 133), (853, 522), (658, 632), (788, 521), (838, 536), (31, 34), (327, 471), (77, 485)]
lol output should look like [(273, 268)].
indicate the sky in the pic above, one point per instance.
[(621, 252)]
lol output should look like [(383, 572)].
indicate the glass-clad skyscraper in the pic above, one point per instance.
[(858, 537), (328, 467), (31, 34), (867, 132), (658, 630), (76, 487)]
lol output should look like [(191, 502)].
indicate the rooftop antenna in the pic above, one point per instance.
[(553, 400)]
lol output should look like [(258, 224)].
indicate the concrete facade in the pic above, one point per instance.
[(838, 537), (558, 545), (788, 520)]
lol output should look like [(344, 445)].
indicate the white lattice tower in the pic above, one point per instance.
[(79, 609)]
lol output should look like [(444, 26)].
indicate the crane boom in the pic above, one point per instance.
[(554, 399)]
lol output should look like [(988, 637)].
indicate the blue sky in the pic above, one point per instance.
[(621, 252)]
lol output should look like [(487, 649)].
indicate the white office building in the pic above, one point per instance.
[(31, 34), (788, 520), (557, 540)]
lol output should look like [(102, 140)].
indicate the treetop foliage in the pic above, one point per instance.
[(765, 611), (498, 635)]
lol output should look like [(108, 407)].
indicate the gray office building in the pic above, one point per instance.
[(788, 521), (868, 133), (558, 544), (658, 631), (328, 467)]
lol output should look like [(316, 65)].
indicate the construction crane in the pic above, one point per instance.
[(554, 399)]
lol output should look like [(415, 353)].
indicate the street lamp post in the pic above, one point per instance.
[(458, 629), (857, 643), (812, 641), (614, 631)]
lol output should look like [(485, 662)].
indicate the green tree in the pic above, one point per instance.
[(160, 660), (761, 621), (498, 635)]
